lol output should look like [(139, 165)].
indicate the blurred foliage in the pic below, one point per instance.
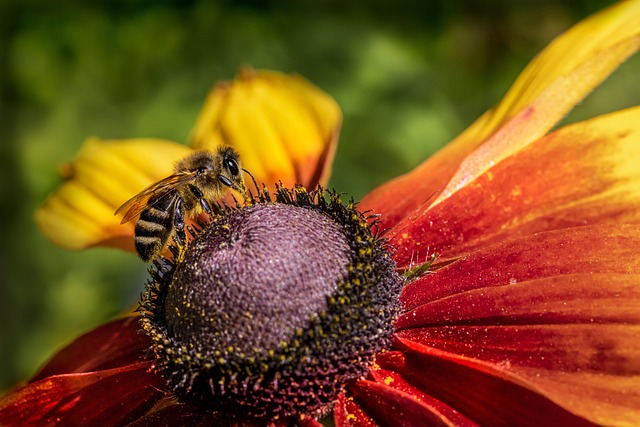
[(408, 75)]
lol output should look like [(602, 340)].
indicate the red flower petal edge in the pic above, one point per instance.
[(106, 398), (478, 392), (557, 311), (100, 379), (392, 406), (347, 413), (112, 345)]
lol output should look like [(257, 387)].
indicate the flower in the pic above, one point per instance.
[(529, 314), (299, 146), (226, 332)]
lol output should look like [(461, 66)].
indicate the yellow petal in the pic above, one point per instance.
[(585, 173), (560, 77), (610, 36), (103, 176), (284, 128), (553, 83)]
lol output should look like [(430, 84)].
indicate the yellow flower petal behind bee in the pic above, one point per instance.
[(103, 176), (283, 127)]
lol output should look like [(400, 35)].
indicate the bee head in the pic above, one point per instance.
[(230, 172), (211, 170)]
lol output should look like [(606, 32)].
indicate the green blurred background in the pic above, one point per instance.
[(408, 75)]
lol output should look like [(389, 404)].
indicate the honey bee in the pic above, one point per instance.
[(198, 179)]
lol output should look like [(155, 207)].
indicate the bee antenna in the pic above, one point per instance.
[(255, 183)]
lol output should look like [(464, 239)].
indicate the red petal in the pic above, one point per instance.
[(174, 414), (170, 413), (447, 414), (582, 174), (390, 406), (105, 398), (347, 413), (573, 299), (479, 392), (558, 310), (307, 422), (115, 344), (590, 250), (302, 421)]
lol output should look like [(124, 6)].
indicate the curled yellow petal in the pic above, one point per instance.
[(552, 84), (576, 62), (541, 114), (105, 174), (284, 128)]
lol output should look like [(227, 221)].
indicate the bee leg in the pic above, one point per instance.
[(205, 205), (178, 221)]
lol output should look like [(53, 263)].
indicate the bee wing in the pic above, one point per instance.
[(135, 205)]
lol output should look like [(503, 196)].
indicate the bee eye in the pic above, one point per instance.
[(232, 166)]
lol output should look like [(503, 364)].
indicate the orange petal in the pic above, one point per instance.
[(557, 312), (103, 176), (284, 128), (559, 78), (586, 173)]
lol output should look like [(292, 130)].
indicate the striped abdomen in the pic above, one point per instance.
[(155, 226)]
